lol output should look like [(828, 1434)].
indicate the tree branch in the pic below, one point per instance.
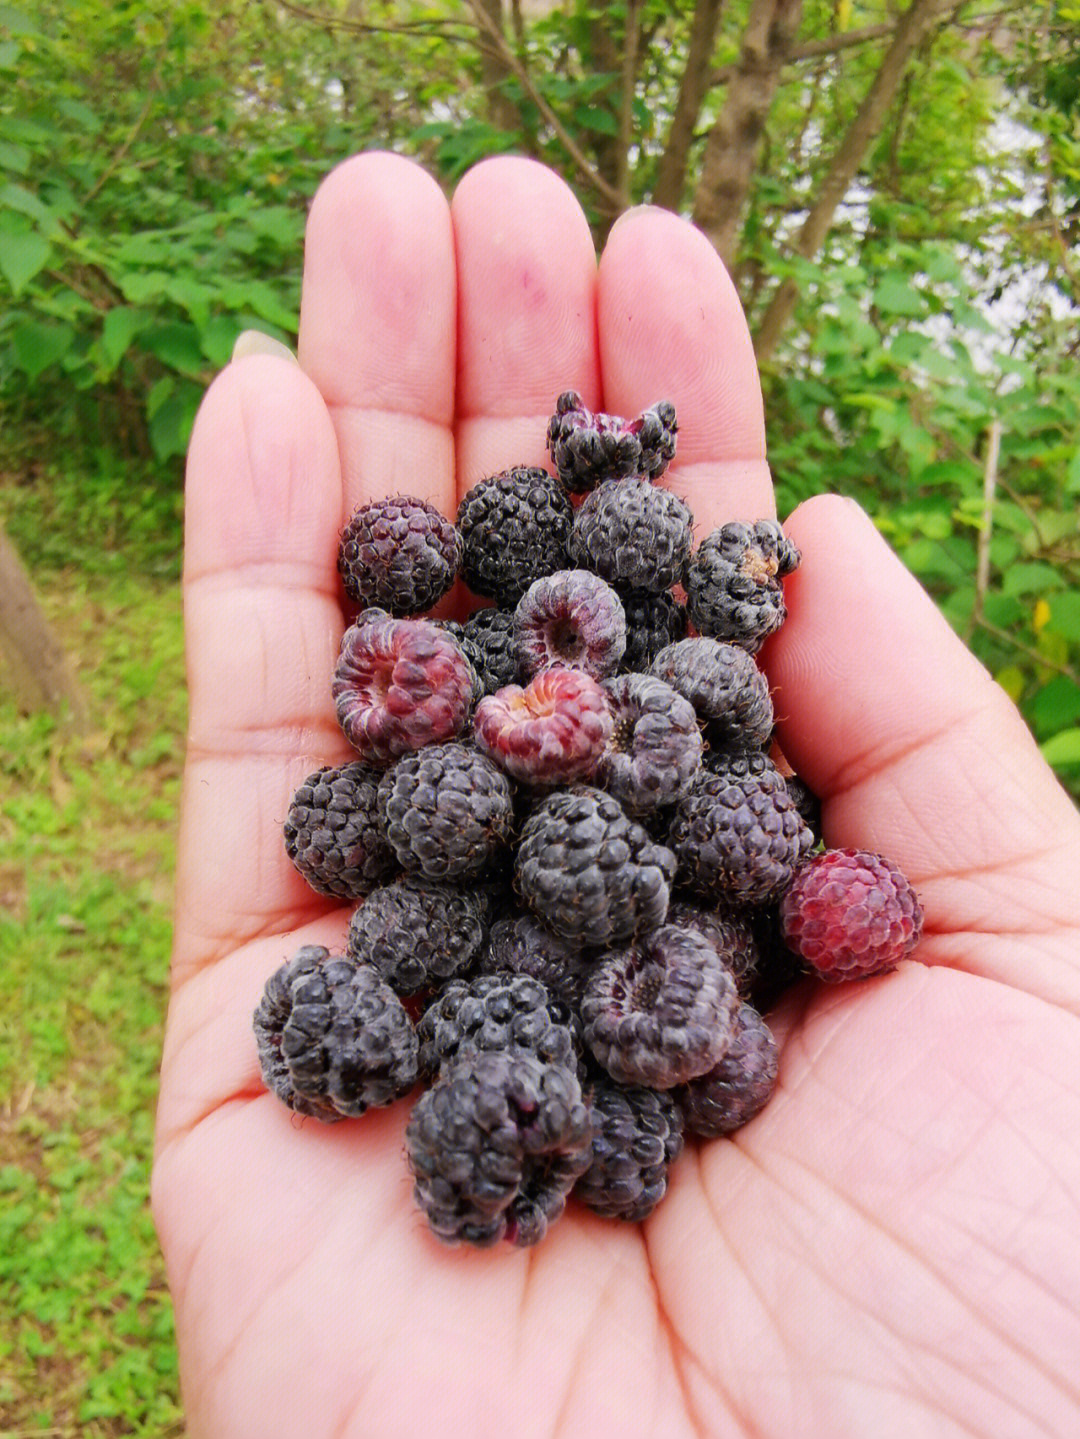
[(731, 149), (445, 29), (626, 101), (129, 139), (1029, 650), (693, 87), (812, 49), (849, 39), (587, 171), (982, 557), (912, 27), (495, 71)]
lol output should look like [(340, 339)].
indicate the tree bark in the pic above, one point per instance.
[(732, 147), (495, 72), (913, 26), (694, 86), (37, 669)]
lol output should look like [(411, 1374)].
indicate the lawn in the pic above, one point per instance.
[(87, 829)]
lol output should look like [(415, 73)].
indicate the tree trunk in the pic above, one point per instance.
[(732, 147), (694, 86), (914, 25), (37, 670), (495, 72)]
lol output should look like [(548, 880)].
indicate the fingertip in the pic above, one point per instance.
[(527, 323), (377, 315), (672, 327), (262, 481)]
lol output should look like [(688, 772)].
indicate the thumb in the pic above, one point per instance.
[(917, 753)]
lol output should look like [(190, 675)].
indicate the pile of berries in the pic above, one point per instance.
[(579, 878)]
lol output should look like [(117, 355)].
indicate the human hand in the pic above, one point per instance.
[(892, 1247)]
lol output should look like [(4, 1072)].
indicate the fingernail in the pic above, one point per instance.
[(254, 342)]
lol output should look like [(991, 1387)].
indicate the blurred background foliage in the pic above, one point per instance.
[(896, 190)]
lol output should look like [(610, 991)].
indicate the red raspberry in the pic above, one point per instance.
[(400, 685), (850, 914), (552, 732)]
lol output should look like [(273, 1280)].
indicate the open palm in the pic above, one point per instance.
[(893, 1246)]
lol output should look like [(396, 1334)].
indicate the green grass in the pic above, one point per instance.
[(86, 863)]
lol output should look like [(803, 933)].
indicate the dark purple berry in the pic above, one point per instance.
[(739, 1086), (659, 1012), (733, 582), (398, 554), (634, 534)]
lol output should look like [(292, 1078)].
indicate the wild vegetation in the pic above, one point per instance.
[(896, 189)]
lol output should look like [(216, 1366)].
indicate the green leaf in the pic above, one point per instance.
[(39, 345), (176, 346), (1072, 475), (597, 119), (1056, 705), (1031, 579), (18, 197), (1062, 748), (278, 223), (266, 302), (193, 296), (22, 255), (1064, 614), (170, 428), (149, 248), (140, 287), (896, 295), (13, 157), (910, 347), (122, 323), (1005, 611), (1012, 681), (17, 22), (81, 114), (217, 337), (158, 393), (942, 265)]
